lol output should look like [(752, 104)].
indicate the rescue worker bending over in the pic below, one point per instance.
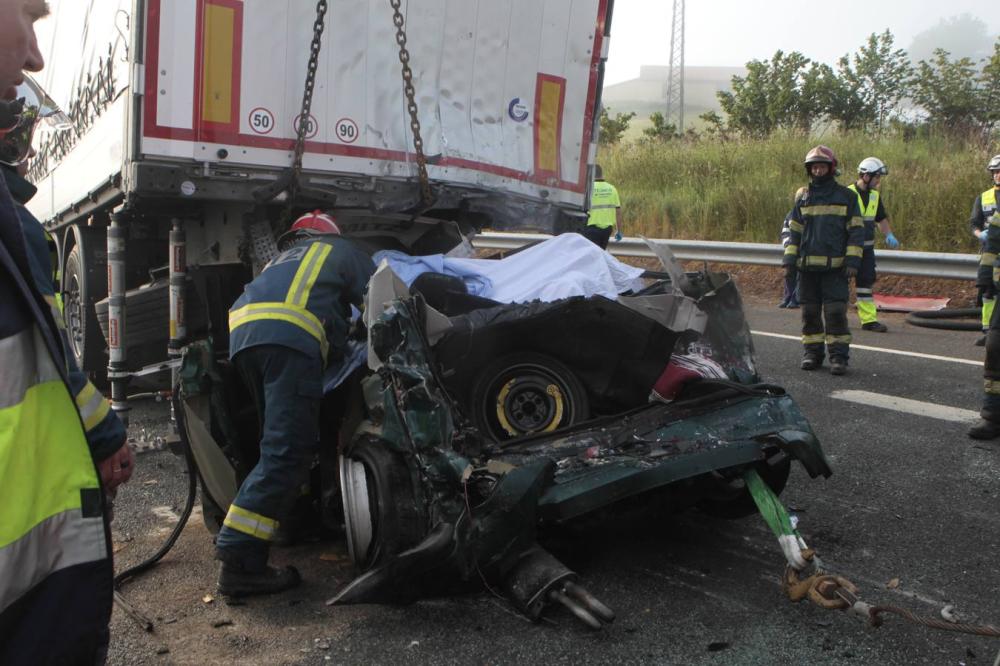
[(870, 173), (983, 207), (989, 275), (289, 323), (604, 207), (825, 246)]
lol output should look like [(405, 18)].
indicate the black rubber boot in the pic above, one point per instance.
[(875, 326), (985, 430), (838, 366), (981, 341), (811, 363), (235, 581)]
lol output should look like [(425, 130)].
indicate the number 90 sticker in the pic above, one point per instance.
[(312, 127), (261, 120), (347, 130)]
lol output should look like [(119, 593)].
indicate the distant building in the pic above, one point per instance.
[(648, 93)]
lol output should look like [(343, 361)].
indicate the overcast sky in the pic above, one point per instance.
[(732, 32)]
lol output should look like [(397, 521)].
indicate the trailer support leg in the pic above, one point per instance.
[(178, 317), (117, 371)]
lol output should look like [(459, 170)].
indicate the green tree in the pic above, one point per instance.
[(612, 129), (947, 90), (989, 83), (871, 84), (661, 130)]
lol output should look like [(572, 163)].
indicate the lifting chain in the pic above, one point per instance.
[(307, 93), (411, 102)]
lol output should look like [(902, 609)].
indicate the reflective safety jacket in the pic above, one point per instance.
[(988, 215), (983, 208), (302, 299), (105, 431), (55, 556), (869, 213), (604, 202), (827, 232)]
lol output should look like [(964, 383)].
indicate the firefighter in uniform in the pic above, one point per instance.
[(604, 206), (987, 281), (870, 173), (825, 247), (55, 546), (291, 321), (983, 208)]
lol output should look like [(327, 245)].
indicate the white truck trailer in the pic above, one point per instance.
[(189, 148)]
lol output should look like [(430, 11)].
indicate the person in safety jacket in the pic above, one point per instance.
[(825, 247), (55, 545), (291, 321), (983, 208), (605, 205), (105, 432), (870, 172), (987, 280)]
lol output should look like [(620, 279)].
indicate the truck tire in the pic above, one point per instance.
[(82, 288)]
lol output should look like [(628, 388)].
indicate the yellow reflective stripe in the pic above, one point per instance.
[(834, 339), (55, 306), (989, 198), (92, 405), (305, 267), (992, 386), (792, 249), (829, 209), (815, 260), (318, 262), (855, 250), (836, 262), (248, 522), (813, 339), (855, 223), (291, 314), (987, 258), (796, 226)]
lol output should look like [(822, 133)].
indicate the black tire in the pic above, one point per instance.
[(525, 393), (398, 517), (731, 500), (82, 288)]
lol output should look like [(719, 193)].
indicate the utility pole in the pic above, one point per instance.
[(675, 77)]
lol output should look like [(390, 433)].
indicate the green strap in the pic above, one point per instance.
[(774, 512)]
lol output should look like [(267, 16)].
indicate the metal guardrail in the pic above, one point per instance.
[(946, 265)]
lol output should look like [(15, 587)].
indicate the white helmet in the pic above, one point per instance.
[(873, 166), (994, 164)]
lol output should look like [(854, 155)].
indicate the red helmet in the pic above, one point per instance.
[(821, 154), (316, 222)]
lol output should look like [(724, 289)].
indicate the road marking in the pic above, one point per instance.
[(930, 357), (942, 412)]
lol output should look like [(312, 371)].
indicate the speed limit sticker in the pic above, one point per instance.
[(347, 130), (261, 120), (312, 127)]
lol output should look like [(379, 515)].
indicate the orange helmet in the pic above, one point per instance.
[(821, 154), (310, 224)]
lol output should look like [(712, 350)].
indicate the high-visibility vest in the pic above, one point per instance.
[(604, 202), (988, 199), (868, 213)]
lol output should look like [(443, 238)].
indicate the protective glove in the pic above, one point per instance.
[(850, 272), (790, 271), (891, 241), (618, 236)]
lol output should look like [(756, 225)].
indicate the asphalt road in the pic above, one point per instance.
[(910, 516)]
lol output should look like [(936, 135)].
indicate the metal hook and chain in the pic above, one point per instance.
[(411, 102)]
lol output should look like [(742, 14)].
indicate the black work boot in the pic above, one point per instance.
[(236, 581), (981, 341), (838, 366), (875, 326), (985, 430), (810, 363)]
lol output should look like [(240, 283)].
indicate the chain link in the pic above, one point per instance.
[(307, 94), (411, 102)]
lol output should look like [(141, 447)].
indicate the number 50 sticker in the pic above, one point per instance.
[(347, 130), (261, 120)]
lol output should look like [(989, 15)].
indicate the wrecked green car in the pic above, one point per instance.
[(477, 423)]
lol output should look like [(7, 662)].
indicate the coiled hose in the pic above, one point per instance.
[(944, 319)]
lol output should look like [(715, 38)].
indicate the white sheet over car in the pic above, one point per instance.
[(560, 267)]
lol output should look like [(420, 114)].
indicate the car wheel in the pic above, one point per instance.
[(526, 393), (384, 510), (730, 499)]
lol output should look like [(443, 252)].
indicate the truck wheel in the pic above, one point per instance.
[(730, 498), (524, 393), (80, 292)]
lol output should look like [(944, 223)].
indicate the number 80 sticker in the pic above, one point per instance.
[(261, 120), (347, 130)]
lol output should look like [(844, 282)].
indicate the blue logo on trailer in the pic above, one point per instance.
[(518, 112)]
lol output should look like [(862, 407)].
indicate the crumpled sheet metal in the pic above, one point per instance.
[(673, 311)]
